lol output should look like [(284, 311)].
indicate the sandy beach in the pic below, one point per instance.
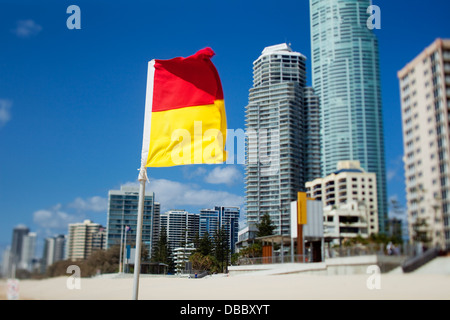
[(242, 287)]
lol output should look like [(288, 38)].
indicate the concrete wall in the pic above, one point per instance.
[(332, 266)]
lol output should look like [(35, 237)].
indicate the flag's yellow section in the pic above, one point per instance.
[(191, 135)]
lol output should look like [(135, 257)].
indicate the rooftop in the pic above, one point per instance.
[(282, 48)]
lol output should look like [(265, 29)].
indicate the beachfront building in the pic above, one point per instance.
[(181, 227), (348, 183), (54, 250), (346, 221), (221, 217), (80, 239), (123, 213), (28, 251), (181, 257), (425, 104), (279, 144)]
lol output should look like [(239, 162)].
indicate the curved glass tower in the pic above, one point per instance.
[(346, 77)]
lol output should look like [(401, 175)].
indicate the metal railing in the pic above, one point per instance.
[(404, 250), (366, 250), (274, 260)]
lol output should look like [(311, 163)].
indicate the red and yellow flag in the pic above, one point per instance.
[(185, 121)]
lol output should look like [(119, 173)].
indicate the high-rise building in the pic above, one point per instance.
[(221, 217), (15, 253), (28, 251), (54, 250), (277, 164), (80, 239), (209, 221), (181, 227), (123, 211), (312, 135), (346, 77), (48, 256), (6, 263), (425, 103)]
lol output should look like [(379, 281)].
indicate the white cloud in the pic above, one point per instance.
[(177, 195), (224, 175), (189, 174), (53, 220), (26, 28), (96, 204), (394, 170), (5, 111), (391, 173), (57, 218)]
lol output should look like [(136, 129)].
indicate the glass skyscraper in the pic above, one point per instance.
[(123, 211), (346, 77), (278, 145), (211, 220)]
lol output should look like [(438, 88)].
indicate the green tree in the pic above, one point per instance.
[(162, 252), (265, 226), (252, 251), (201, 262), (205, 247), (196, 240), (221, 250), (100, 261)]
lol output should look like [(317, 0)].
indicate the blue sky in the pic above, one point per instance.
[(72, 101)]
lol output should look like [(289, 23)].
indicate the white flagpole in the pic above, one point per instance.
[(121, 242), (125, 251), (137, 260)]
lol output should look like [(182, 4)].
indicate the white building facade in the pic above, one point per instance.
[(349, 183), (425, 103)]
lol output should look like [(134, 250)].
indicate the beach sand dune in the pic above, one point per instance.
[(242, 287)]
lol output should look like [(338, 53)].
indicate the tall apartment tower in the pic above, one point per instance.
[(122, 212), (15, 253), (28, 251), (181, 227), (80, 239), (346, 77), (312, 125), (54, 250), (277, 146), (425, 101), (227, 218)]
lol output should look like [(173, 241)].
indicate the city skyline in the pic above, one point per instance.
[(69, 138)]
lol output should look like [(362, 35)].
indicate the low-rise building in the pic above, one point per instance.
[(349, 183)]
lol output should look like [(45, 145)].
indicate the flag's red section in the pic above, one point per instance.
[(186, 82)]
